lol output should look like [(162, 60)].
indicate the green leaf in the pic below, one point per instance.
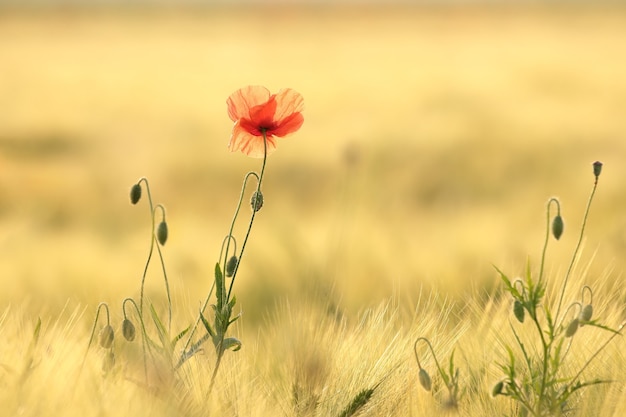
[(503, 276), (595, 323), (192, 351), (527, 357), (231, 342), (161, 330), (234, 319), (580, 385), (207, 326), (511, 371), (232, 302), (179, 336), (220, 287)]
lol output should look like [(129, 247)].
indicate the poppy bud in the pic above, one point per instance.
[(108, 362), (256, 201), (162, 233), (586, 313), (497, 389), (557, 227), (106, 336), (518, 311), (231, 266), (135, 193), (128, 330), (425, 379), (597, 168), (572, 328)]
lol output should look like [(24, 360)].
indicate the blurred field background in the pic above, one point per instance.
[(433, 138)]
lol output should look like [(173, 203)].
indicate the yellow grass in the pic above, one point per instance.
[(432, 140)]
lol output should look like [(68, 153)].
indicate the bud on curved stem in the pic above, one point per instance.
[(559, 224), (128, 330), (107, 334), (162, 232), (230, 263), (424, 378), (130, 334), (135, 193), (572, 328), (231, 266), (497, 388), (573, 325), (586, 313), (95, 322), (557, 227), (519, 311)]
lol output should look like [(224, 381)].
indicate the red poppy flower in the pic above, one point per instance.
[(254, 111)]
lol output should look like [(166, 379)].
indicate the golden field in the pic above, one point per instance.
[(433, 138)]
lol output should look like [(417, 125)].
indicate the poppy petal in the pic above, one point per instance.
[(248, 144), (289, 125), (241, 101), (262, 116), (288, 102)]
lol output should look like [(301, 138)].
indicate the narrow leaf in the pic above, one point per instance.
[(179, 336), (207, 326), (161, 330), (219, 286)]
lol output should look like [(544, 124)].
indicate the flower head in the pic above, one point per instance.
[(255, 111)]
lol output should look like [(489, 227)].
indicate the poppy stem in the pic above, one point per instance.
[(580, 239), (224, 256), (220, 349), (254, 211)]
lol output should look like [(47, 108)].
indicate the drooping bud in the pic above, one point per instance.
[(597, 168), (557, 227), (162, 233), (231, 266), (518, 311), (108, 362), (135, 193), (256, 202), (106, 336), (128, 330), (586, 313), (424, 378), (497, 389), (572, 328)]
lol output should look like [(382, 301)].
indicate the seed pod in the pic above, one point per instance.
[(425, 379), (497, 389), (108, 362), (106, 336), (557, 227), (256, 202), (597, 168), (128, 330), (586, 313), (162, 233), (572, 328), (518, 310), (231, 266), (135, 193)]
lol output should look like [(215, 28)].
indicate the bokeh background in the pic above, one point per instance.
[(434, 135)]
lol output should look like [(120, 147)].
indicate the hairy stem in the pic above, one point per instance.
[(580, 239)]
